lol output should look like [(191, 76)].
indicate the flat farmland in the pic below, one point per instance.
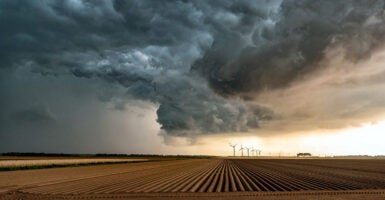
[(20, 163), (204, 179)]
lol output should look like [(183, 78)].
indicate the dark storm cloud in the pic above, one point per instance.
[(165, 52), (34, 115), (281, 46)]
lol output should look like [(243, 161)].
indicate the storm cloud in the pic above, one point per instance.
[(279, 46), (204, 64)]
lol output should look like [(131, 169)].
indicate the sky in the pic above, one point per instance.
[(191, 77)]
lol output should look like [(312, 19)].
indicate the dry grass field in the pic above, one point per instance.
[(204, 179), (45, 162)]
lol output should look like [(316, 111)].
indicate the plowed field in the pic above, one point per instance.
[(207, 177)]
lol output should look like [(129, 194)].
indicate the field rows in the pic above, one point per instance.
[(225, 175)]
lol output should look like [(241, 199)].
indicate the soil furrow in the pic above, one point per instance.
[(222, 175)]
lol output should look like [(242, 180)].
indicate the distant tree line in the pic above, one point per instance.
[(41, 154), (303, 154)]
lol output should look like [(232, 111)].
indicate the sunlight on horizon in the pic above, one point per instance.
[(365, 140)]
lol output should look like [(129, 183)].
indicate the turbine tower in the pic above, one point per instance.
[(258, 152), (241, 149), (252, 151), (233, 148), (247, 151)]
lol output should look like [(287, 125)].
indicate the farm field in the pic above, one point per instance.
[(9, 164), (204, 178)]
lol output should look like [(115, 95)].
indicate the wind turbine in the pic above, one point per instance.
[(241, 149), (258, 152), (252, 150), (247, 151), (233, 148)]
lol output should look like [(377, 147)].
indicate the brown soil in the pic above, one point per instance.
[(204, 179)]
